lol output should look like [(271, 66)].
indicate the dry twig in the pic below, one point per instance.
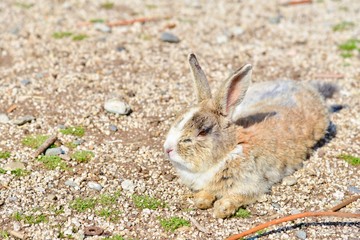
[(197, 225), (11, 108), (45, 145), (16, 234), (297, 2), (331, 212)]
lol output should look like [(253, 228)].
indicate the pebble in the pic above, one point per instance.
[(113, 128), (237, 31), (295, 211), (276, 205), (289, 181), (16, 226), (14, 165), (4, 118), (25, 82), (22, 120), (169, 177), (71, 183), (301, 234), (222, 39), (117, 106), (128, 185), (169, 37), (338, 195), (353, 189), (54, 151), (102, 27), (120, 48), (95, 186), (78, 141), (51, 197), (61, 126), (13, 199)]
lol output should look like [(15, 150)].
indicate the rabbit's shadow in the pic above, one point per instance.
[(304, 225)]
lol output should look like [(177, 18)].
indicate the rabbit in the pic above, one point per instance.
[(231, 147)]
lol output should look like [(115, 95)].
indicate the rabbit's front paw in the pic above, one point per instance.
[(224, 208), (203, 200)]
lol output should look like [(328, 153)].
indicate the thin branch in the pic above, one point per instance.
[(132, 21), (292, 218), (197, 225), (344, 203), (45, 145)]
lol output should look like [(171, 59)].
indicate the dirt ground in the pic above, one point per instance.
[(59, 63)]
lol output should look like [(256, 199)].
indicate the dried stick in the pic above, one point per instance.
[(11, 108), (197, 225), (132, 21), (344, 203), (329, 75), (331, 212), (45, 145), (296, 2)]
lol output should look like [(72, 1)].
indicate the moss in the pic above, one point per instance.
[(60, 35), (78, 131), (82, 156), (2, 171), (345, 25), (20, 172), (34, 141), (4, 234), (346, 54), (350, 159), (349, 45), (171, 224), (107, 199), (110, 214), (143, 202), (52, 162), (107, 5), (242, 213), (4, 154), (82, 204), (24, 5), (30, 219), (115, 237), (79, 37), (97, 20)]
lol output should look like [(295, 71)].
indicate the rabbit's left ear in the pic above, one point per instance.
[(233, 91), (201, 84)]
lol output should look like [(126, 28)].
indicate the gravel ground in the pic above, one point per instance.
[(64, 82)]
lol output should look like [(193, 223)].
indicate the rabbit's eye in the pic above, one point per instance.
[(204, 132)]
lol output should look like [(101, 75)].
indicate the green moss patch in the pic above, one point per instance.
[(355, 161), (78, 131), (52, 162), (143, 202), (34, 141), (343, 26), (171, 224), (5, 154), (242, 213), (82, 156), (29, 219)]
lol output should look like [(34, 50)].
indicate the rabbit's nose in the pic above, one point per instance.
[(169, 150)]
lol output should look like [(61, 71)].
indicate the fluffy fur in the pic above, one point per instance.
[(234, 146)]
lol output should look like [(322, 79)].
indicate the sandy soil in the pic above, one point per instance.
[(64, 82)]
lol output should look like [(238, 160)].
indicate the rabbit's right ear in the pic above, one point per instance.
[(233, 91), (200, 81)]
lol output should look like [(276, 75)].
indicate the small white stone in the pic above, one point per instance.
[(117, 106), (4, 118), (14, 165), (289, 181), (146, 211), (95, 186), (16, 226), (128, 185), (338, 195)]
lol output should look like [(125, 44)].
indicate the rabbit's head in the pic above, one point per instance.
[(205, 133)]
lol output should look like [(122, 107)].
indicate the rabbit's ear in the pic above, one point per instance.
[(233, 91), (201, 83)]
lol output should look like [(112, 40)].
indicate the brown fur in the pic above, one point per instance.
[(273, 146)]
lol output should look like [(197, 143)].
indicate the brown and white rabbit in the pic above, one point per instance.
[(233, 146)]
